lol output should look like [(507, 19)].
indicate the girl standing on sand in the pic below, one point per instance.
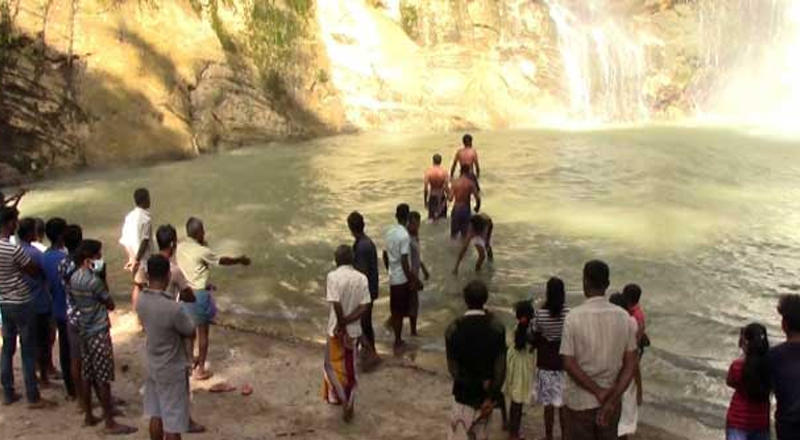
[(748, 413), (548, 327), (519, 368)]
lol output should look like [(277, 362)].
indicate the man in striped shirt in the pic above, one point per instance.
[(17, 309)]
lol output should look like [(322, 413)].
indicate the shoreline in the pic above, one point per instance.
[(400, 399)]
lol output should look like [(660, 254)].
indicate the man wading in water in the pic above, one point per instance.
[(467, 157), (436, 190), (461, 192)]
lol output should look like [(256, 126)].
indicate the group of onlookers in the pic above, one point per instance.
[(62, 291), (763, 371)]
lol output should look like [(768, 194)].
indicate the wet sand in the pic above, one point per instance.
[(400, 400)]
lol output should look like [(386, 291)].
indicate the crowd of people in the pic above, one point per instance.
[(581, 364), (61, 292)]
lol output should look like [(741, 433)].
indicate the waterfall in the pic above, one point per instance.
[(603, 61), (750, 51)]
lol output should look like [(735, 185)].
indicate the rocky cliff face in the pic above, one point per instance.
[(114, 82), (109, 82)]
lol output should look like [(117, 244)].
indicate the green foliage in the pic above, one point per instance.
[(6, 30), (273, 35), (409, 19)]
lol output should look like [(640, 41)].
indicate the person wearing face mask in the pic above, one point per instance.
[(93, 302)]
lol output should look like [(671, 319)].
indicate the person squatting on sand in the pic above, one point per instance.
[(347, 293)]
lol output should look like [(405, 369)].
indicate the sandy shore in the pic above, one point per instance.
[(397, 401)]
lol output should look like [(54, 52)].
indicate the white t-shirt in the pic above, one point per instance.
[(137, 227), (350, 288), (398, 243)]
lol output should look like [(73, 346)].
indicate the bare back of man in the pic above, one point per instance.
[(461, 192), (436, 189)]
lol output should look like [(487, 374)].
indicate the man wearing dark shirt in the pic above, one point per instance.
[(476, 348), (366, 262), (784, 361)]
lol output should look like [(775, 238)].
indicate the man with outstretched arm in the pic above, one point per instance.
[(195, 260), (599, 350), (436, 190)]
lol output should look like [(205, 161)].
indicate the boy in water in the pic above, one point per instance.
[(414, 220), (480, 236)]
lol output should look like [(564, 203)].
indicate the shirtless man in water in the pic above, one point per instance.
[(480, 236), (461, 192), (467, 156), (436, 189)]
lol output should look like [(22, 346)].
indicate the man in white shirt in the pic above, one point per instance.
[(348, 296), (599, 350), (401, 279), (137, 239)]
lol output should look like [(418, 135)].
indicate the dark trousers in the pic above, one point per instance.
[(18, 321), (44, 355), (582, 425), (65, 357), (515, 419), (366, 327)]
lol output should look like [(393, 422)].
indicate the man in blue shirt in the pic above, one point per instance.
[(42, 304), (52, 258)]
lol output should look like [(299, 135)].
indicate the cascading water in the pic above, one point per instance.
[(604, 62), (751, 54)]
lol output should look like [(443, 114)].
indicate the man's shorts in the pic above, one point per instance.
[(169, 401), (203, 310), (140, 277)]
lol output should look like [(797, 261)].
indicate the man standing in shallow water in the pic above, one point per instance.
[(366, 261), (436, 190), (461, 192), (467, 157), (397, 260)]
